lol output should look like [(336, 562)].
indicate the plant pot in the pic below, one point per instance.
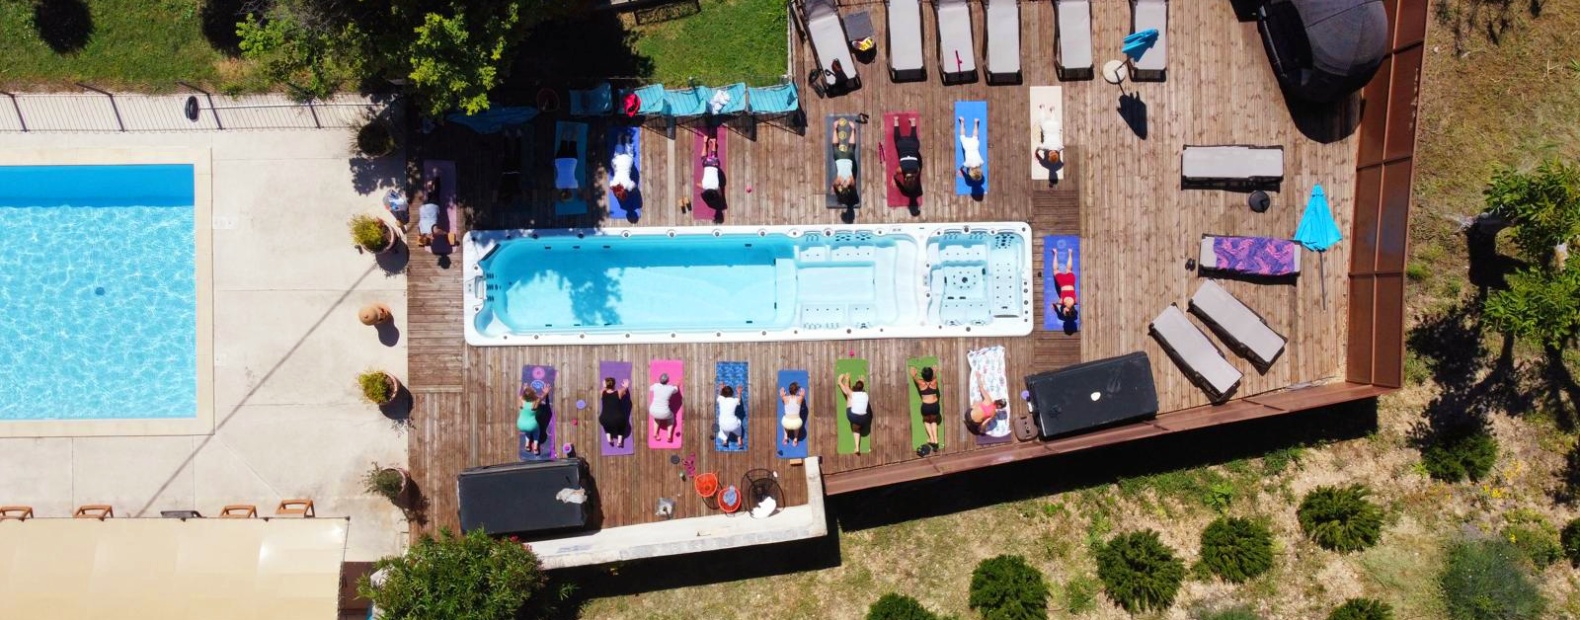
[(402, 497), (394, 389), (375, 314), (389, 240)]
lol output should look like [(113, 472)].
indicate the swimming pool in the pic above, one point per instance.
[(98, 300), (739, 283)]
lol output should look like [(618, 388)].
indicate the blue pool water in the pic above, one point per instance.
[(98, 302)]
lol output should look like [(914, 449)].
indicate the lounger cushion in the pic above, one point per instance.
[(1232, 162), (954, 37), (1153, 14), (1075, 34), (1194, 351), (828, 36), (1236, 322), (1003, 38), (905, 35), (1256, 256)]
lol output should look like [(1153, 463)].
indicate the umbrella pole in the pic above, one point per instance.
[(1322, 276)]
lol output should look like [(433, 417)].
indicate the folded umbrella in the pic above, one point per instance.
[(1137, 43), (1317, 232)]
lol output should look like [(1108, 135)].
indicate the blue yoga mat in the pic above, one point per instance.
[(784, 450), (631, 209), (971, 111), (1050, 291), (539, 377), (577, 205), (732, 373)]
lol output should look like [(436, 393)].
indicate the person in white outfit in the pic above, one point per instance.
[(1051, 151), (972, 147), (565, 167), (729, 418), (791, 420), (620, 182), (712, 180), (663, 416)]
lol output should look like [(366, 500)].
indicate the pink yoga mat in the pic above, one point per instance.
[(620, 371), (676, 371), (891, 157), (699, 208)]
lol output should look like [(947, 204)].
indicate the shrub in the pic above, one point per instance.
[(1533, 537), (1236, 549), (383, 481), (375, 139), (1340, 518), (472, 577), (375, 386), (1080, 595), (1571, 542), (369, 232), (1488, 579), (1007, 588), (1362, 609), (1466, 451), (893, 606), (1139, 572)]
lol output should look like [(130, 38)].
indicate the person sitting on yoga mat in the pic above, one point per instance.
[(620, 182), (793, 401), (1065, 280), (1051, 151), (614, 417), (984, 409), (909, 151), (659, 409), (712, 177), (927, 387), (729, 415), (565, 167), (856, 410), (527, 418), (972, 147), (844, 143)]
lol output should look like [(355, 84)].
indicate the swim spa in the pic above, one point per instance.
[(741, 283)]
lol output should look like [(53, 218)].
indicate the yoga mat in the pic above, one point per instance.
[(918, 429), (539, 377), (990, 362), (971, 111), (1050, 96), (829, 198), (847, 439), (631, 209), (577, 205), (785, 450), (699, 208), (621, 371), (732, 373), (676, 370), (891, 157), (1050, 291)]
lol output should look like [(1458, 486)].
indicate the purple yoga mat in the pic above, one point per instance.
[(988, 440), (540, 377), (620, 371)]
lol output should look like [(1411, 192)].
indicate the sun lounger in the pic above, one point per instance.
[(727, 100), (1250, 256), (1236, 324), (1153, 64), (956, 48), (1231, 165), (239, 511), (295, 508), (1003, 41), (94, 511), (1195, 354), (18, 513), (829, 42), (595, 101), (832, 200), (651, 100), (906, 63), (1074, 56), (773, 100)]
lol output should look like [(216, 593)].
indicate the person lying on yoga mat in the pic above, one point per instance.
[(614, 417), (712, 178), (527, 418), (1065, 280), (972, 147), (984, 409), (659, 409), (856, 410), (565, 167), (909, 151), (620, 183), (927, 386), (844, 143), (729, 416), (791, 420), (1051, 150)]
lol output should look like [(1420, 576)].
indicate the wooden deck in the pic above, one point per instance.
[(1121, 194)]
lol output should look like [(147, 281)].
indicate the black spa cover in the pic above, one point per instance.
[(1323, 50), (1093, 395), (519, 498)]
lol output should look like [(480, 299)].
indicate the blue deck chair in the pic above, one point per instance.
[(685, 103), (595, 101), (652, 97), (769, 102), (737, 104)]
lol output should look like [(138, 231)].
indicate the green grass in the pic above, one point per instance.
[(144, 45), (728, 41)]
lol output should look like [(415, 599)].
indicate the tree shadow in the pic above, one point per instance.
[(574, 52), (1489, 270), (219, 19), (66, 26)]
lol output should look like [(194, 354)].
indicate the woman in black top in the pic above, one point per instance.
[(615, 415), (908, 149), (927, 388)]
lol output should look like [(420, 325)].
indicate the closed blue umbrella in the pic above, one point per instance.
[(1137, 43), (1318, 232), (494, 119)]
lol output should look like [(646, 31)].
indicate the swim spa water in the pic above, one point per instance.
[(736, 283), (97, 292)]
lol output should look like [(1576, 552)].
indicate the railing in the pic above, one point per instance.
[(96, 110)]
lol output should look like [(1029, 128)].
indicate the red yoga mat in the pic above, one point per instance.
[(699, 207), (891, 157)]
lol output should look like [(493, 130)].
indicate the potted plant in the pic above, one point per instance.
[(371, 233), (391, 483), (375, 314), (378, 387), (375, 139)]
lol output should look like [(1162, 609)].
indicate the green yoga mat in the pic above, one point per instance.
[(918, 431), (847, 440)]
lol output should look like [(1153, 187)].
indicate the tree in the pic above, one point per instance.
[(1543, 205), (1540, 305), (471, 577), (1005, 587), (1139, 572)]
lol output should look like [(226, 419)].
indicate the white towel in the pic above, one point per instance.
[(721, 98), (989, 363)]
